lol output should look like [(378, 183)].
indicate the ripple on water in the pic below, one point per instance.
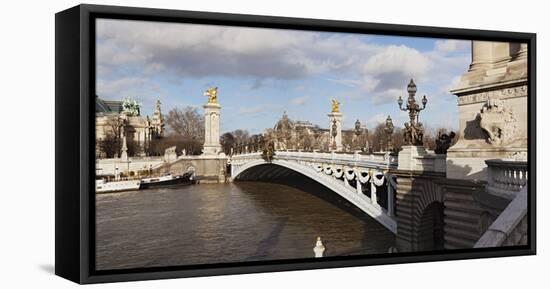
[(216, 223)]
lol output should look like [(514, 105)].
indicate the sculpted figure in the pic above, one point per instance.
[(498, 122), (443, 142), (212, 94), (335, 105)]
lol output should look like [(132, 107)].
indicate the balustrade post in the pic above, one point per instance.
[(358, 186), (390, 196), (373, 199)]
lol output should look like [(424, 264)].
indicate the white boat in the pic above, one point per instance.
[(105, 187)]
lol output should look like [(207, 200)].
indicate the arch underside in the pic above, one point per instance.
[(257, 170)]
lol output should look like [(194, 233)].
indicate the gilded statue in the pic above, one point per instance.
[(212, 94), (335, 105)]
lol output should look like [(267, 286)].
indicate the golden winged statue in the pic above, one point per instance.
[(335, 105), (212, 94)]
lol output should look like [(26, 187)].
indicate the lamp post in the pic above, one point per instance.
[(389, 132), (357, 134), (334, 134), (413, 130)]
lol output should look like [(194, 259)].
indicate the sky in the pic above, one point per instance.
[(261, 73)]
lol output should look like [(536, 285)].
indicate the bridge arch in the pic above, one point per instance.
[(346, 192)]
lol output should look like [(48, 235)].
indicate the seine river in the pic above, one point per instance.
[(235, 222)]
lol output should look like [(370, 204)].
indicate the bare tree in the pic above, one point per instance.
[(240, 135), (188, 124), (378, 138), (305, 141), (227, 141), (348, 140), (111, 143), (397, 139)]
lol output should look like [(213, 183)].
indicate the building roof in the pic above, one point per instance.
[(107, 106)]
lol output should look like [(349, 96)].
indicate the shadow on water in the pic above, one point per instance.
[(373, 230), (305, 184), (270, 241)]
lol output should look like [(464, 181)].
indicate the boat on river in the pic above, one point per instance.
[(168, 181), (101, 186)]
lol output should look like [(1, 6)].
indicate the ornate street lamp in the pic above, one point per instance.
[(413, 129), (334, 134), (389, 132), (357, 132)]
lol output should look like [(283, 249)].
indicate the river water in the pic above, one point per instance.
[(235, 222)]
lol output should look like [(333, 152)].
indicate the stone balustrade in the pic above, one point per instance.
[(506, 178), (113, 166), (510, 228), (373, 160)]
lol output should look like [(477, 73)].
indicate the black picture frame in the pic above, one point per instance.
[(75, 140)]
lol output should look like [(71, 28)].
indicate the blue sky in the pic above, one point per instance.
[(263, 72)]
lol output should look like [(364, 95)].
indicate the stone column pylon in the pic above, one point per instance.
[(522, 53), (482, 55), (332, 117), (212, 144)]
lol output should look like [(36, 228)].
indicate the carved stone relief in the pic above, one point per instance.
[(498, 122)]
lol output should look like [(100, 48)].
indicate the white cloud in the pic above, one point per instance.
[(398, 59), (380, 73), (376, 119), (134, 87), (451, 45), (300, 100), (207, 50)]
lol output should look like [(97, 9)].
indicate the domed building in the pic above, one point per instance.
[(302, 135)]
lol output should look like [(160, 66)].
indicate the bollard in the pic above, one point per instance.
[(319, 248)]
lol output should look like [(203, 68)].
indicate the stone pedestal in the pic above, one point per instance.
[(124, 149), (492, 107), (212, 144), (408, 158), (335, 116)]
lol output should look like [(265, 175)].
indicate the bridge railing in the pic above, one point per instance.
[(506, 177), (375, 160)]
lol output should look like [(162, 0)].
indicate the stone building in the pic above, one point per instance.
[(120, 123), (304, 135)]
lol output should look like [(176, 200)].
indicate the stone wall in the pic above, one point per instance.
[(416, 219), (462, 214), (414, 193), (108, 166), (510, 228), (206, 168)]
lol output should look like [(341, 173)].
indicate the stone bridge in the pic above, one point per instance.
[(362, 180)]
